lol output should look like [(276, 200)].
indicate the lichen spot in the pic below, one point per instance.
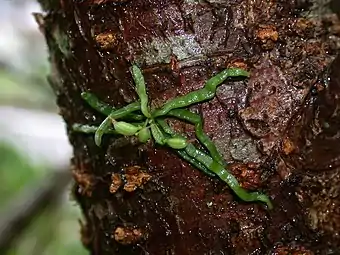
[(135, 177), (106, 40), (126, 236), (268, 36), (116, 182)]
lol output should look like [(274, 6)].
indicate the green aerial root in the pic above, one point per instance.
[(152, 125)]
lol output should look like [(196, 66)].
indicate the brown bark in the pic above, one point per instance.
[(279, 129)]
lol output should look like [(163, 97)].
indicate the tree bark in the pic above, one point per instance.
[(279, 130)]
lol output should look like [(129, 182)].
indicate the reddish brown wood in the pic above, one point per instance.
[(279, 129)]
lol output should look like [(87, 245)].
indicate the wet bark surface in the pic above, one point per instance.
[(279, 129)]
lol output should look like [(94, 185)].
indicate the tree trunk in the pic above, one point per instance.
[(279, 129)]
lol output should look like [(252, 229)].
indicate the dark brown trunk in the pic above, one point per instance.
[(279, 130)]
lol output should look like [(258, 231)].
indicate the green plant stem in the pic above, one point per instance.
[(96, 104), (104, 108), (141, 89), (201, 95), (182, 153), (195, 119), (220, 171), (157, 134), (89, 129), (120, 113), (227, 177)]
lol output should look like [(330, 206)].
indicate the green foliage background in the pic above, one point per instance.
[(56, 229), (23, 84)]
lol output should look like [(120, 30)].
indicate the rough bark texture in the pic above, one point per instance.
[(279, 129)]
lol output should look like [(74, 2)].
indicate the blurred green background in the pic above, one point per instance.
[(33, 142)]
